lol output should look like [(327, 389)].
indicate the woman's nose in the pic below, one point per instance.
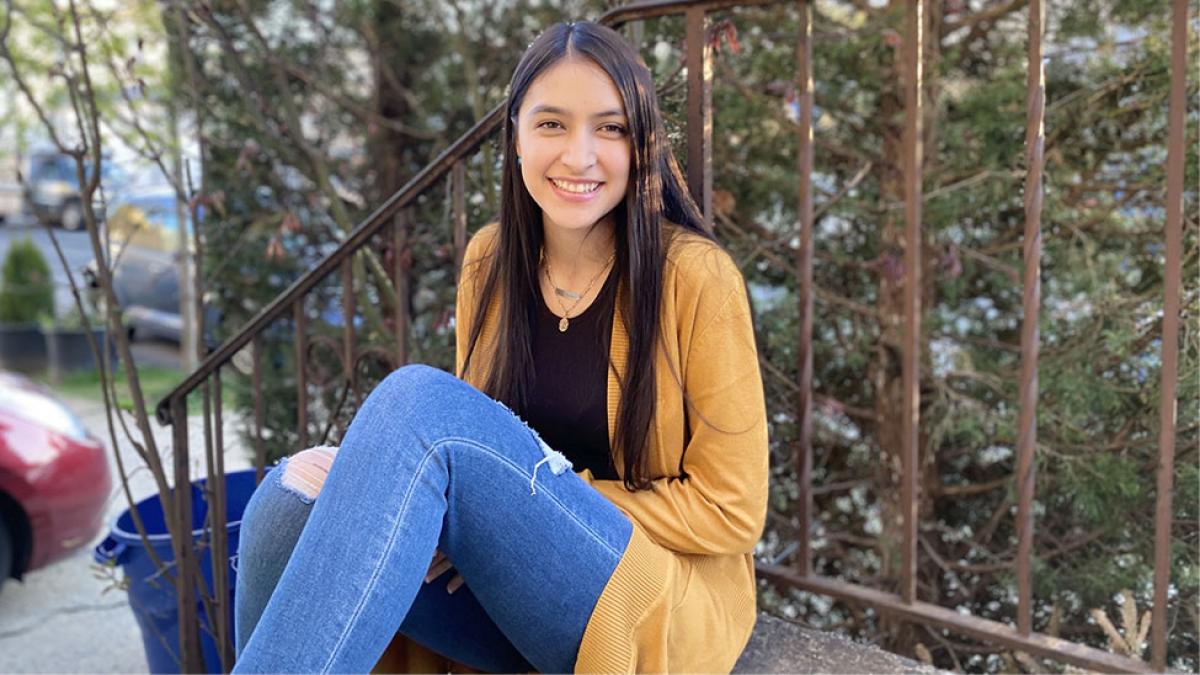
[(580, 152)]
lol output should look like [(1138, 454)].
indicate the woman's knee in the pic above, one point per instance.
[(305, 471), (414, 384)]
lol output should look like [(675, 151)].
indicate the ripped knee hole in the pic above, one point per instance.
[(306, 470)]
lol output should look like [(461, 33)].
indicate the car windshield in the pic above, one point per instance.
[(50, 168), (44, 168)]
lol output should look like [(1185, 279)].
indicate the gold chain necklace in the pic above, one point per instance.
[(559, 293)]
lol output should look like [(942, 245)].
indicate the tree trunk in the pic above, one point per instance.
[(392, 154)]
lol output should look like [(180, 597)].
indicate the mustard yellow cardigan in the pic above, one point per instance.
[(682, 598)]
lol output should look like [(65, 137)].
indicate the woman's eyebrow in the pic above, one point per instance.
[(555, 110)]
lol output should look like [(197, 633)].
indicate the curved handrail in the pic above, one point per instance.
[(650, 9), (434, 171)]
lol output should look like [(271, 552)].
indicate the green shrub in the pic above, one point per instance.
[(26, 285)]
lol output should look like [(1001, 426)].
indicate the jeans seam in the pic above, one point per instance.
[(370, 586), (520, 471)]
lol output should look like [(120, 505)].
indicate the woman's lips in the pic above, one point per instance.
[(576, 197)]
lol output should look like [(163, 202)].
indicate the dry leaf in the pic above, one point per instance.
[(1129, 614), (1114, 638), (723, 202), (1030, 665), (923, 654), (1142, 632), (1055, 621)]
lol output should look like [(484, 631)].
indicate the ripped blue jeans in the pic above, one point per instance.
[(428, 462)]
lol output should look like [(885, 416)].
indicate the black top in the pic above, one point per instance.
[(569, 405)]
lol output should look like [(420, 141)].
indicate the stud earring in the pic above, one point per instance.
[(518, 161)]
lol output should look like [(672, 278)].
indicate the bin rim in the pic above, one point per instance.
[(121, 534)]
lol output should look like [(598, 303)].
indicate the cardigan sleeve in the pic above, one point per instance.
[(719, 504)]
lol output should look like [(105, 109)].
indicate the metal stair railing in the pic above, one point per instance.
[(905, 604)]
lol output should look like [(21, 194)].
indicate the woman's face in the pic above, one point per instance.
[(573, 141)]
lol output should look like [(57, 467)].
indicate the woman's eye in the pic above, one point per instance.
[(614, 129), (549, 124)]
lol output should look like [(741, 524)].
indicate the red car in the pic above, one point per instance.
[(54, 479)]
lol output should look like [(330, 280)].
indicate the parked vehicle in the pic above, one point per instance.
[(143, 235), (52, 188), (54, 479)]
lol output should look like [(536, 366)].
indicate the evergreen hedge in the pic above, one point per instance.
[(26, 285)]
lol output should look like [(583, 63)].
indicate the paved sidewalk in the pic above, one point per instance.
[(60, 619)]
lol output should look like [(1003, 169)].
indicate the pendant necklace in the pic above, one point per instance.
[(561, 293)]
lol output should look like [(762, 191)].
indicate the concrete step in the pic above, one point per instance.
[(781, 646)]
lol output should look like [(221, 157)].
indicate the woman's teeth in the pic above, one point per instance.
[(579, 188)]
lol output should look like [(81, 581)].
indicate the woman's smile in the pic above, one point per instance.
[(576, 190)]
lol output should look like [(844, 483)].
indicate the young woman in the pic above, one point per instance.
[(620, 334)]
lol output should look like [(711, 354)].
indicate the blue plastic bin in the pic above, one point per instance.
[(152, 596)]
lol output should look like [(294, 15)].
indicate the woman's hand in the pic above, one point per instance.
[(439, 565)]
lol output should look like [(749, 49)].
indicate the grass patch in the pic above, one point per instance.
[(157, 382)]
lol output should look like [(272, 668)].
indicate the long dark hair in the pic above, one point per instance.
[(655, 193)]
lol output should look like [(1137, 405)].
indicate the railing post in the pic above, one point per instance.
[(190, 658), (636, 33), (699, 106), (804, 264), (260, 451), (1032, 301), (914, 45), (220, 534), (301, 346), (1170, 332), (458, 184), (214, 525), (400, 284), (348, 341)]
